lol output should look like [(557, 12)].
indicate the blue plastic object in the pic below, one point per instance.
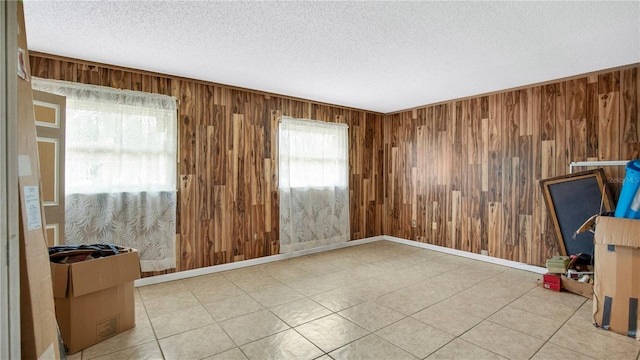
[(629, 200)]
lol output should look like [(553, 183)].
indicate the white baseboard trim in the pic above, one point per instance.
[(267, 259), (185, 274), (469, 255)]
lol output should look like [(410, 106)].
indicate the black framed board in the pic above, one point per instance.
[(571, 200)]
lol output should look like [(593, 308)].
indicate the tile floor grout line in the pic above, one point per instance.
[(545, 341), (374, 334), (483, 319), (160, 348), (199, 327), (155, 335), (610, 338), (309, 340), (367, 298), (314, 344), (448, 297), (264, 337)]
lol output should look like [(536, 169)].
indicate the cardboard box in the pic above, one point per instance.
[(576, 287), (94, 298), (37, 328), (617, 275), (551, 282)]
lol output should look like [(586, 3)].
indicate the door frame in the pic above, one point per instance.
[(9, 227)]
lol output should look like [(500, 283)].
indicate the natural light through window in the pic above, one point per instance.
[(124, 150), (120, 169), (313, 176), (316, 155)]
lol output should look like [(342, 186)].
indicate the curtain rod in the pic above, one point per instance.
[(597, 163)]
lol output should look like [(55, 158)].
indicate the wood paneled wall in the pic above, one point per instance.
[(462, 174), (228, 180), (465, 174)]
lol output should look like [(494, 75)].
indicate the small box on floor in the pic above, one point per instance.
[(558, 264), (94, 298), (551, 282)]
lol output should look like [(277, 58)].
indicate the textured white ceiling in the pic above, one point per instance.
[(378, 56)]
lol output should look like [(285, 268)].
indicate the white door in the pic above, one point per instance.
[(49, 112)]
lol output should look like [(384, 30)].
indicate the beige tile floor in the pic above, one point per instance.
[(381, 300)]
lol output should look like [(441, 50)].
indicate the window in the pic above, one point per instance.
[(120, 173), (114, 147), (313, 183), (317, 155)]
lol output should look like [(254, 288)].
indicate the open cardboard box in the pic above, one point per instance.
[(576, 287), (94, 299), (617, 275)]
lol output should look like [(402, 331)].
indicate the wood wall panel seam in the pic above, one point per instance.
[(227, 175), (465, 170), (514, 139)]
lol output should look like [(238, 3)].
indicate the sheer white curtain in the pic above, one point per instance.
[(120, 173), (313, 183)]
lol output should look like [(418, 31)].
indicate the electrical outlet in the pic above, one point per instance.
[(434, 226), (414, 223), (255, 236), (484, 252)]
